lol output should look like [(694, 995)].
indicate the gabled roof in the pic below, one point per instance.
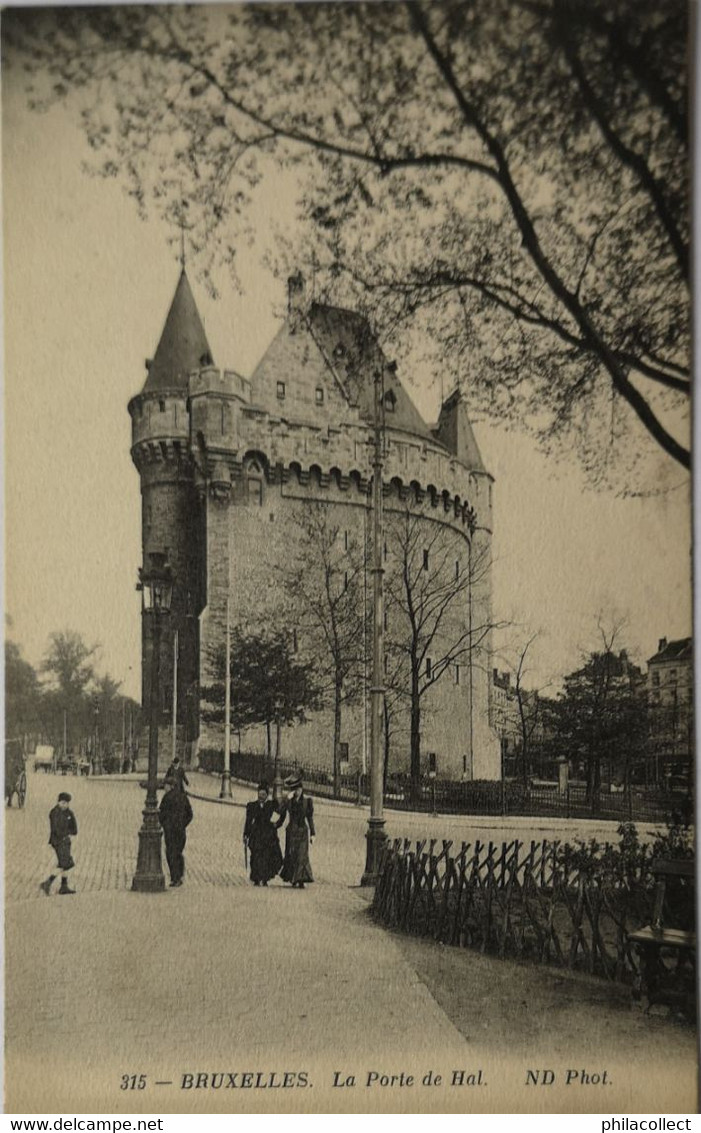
[(353, 353), (680, 650), (183, 343)]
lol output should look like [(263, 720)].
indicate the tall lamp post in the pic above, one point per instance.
[(277, 779), (156, 586), (96, 742), (376, 837), (225, 792)]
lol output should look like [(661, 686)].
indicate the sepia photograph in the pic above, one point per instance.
[(348, 555)]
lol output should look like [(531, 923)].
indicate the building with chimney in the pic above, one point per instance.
[(232, 471), (670, 696)]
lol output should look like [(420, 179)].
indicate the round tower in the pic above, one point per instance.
[(172, 518)]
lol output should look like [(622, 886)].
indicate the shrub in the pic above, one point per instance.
[(211, 759)]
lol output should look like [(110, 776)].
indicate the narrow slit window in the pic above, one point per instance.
[(255, 492)]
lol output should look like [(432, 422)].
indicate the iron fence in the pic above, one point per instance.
[(480, 797)]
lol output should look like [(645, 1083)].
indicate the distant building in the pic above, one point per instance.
[(509, 719), (506, 720), (670, 695)]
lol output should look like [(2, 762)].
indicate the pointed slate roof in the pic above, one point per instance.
[(183, 343), (455, 432)]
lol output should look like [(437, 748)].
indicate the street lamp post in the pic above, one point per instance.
[(376, 837), (97, 758), (225, 792), (277, 779), (156, 586)]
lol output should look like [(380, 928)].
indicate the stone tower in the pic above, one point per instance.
[(171, 509), (231, 468)]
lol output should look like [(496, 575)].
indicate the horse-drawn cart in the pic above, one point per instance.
[(15, 772)]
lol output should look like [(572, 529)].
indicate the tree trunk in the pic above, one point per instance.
[(415, 743), (337, 740), (385, 764), (524, 763), (596, 794), (594, 781)]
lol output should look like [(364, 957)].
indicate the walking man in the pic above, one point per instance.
[(176, 772), (175, 814), (63, 826)]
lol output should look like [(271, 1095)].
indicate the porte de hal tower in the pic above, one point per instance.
[(235, 471)]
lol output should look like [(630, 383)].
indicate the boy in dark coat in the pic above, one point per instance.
[(260, 836), (175, 814), (62, 827)]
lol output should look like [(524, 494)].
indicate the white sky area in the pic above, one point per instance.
[(87, 288)]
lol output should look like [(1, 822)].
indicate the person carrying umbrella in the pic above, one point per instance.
[(260, 837)]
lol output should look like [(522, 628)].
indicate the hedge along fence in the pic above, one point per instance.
[(539, 902)]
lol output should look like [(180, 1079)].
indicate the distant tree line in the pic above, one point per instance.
[(65, 697), (604, 725)]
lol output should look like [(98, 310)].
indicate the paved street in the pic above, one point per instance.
[(220, 977)]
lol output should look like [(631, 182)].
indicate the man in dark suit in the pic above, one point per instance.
[(175, 814)]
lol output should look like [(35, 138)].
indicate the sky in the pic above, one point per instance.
[(87, 286)]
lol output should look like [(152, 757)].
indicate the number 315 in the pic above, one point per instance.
[(133, 1082)]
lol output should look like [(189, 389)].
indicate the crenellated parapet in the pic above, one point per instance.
[(228, 429)]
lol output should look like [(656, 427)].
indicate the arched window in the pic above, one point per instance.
[(255, 478)]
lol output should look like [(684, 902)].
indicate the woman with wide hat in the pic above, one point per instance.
[(298, 808), (260, 837)]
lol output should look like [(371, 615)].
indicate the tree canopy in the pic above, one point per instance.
[(73, 701), (503, 181), (267, 682), (600, 717)]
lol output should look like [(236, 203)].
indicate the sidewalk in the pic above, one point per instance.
[(205, 980), (220, 978)]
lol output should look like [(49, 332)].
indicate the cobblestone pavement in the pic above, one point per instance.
[(109, 816), (220, 977), (216, 976)]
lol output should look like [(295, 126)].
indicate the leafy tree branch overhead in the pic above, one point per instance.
[(504, 182)]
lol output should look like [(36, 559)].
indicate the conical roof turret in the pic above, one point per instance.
[(183, 345)]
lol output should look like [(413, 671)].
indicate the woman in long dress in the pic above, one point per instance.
[(260, 836), (298, 808)]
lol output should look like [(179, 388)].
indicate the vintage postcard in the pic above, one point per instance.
[(348, 557)]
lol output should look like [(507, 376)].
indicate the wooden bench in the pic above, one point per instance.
[(659, 983)]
